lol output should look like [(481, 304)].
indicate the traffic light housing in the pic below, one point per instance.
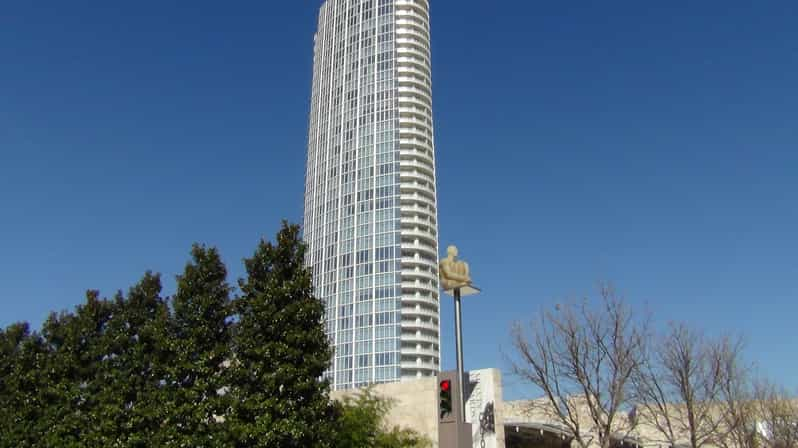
[(445, 398)]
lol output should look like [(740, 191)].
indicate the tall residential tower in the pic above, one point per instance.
[(370, 201)]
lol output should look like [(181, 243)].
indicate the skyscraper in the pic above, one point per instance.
[(370, 203)]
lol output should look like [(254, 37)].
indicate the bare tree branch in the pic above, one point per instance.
[(678, 387), (737, 428), (776, 415), (583, 358)]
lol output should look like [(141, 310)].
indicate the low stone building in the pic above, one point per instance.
[(496, 423), (415, 405)]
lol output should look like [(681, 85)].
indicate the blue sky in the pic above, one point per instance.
[(650, 144)]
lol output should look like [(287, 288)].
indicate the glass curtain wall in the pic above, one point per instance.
[(352, 203)]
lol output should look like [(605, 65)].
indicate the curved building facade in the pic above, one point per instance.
[(370, 200)]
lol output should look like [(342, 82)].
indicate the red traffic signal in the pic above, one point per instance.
[(446, 385), (445, 399)]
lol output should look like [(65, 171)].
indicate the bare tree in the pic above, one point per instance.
[(582, 358), (736, 407), (776, 416), (678, 385)]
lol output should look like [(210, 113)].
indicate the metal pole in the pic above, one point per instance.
[(458, 328)]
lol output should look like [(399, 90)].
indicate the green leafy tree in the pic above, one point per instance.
[(75, 341), (130, 372), (361, 424), (9, 346), (22, 405), (281, 352), (90, 342), (34, 398), (132, 375), (58, 379), (201, 343)]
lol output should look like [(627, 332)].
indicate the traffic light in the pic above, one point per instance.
[(445, 398)]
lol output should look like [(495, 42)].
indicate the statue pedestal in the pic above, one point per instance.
[(465, 290), (457, 292)]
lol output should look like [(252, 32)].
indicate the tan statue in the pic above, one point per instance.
[(454, 273)]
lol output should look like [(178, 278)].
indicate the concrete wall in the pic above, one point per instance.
[(485, 388), (415, 404), (416, 407)]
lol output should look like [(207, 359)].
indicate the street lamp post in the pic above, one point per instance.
[(456, 281), (458, 341)]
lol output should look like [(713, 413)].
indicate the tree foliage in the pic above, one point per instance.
[(362, 424), (200, 340), (199, 369), (281, 351)]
